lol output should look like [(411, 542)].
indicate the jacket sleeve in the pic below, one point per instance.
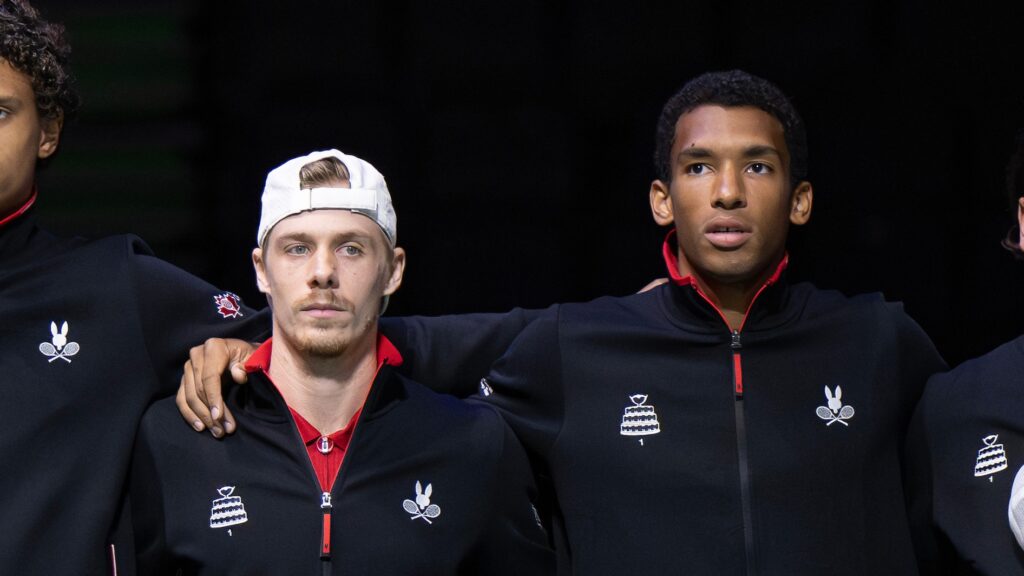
[(934, 553), (525, 385), (145, 495), (919, 359), (452, 353), (516, 541), (177, 310)]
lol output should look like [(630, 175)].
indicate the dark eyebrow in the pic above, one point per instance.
[(693, 153), (761, 150), (750, 151), (10, 102)]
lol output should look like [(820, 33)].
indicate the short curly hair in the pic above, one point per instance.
[(37, 48), (731, 89)]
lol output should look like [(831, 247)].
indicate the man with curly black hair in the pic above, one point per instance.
[(726, 422), (90, 331), (37, 100), (967, 449)]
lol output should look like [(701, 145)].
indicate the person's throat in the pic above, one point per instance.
[(326, 391), (732, 298)]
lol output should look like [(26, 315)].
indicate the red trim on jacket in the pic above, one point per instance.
[(668, 252), (327, 462), (24, 208)]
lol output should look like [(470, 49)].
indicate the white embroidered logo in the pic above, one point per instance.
[(835, 411), (421, 507), (227, 510), (58, 346), (485, 387), (639, 419), (991, 458)]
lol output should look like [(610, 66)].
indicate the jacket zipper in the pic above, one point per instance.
[(325, 500), (325, 532), (736, 346), (741, 451)]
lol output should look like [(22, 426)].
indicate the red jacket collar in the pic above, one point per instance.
[(668, 251), (386, 354), (24, 208)]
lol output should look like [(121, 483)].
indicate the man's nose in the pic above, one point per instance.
[(729, 192), (324, 270)]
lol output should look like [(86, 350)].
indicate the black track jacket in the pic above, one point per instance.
[(967, 447), (90, 333), (676, 446), (430, 485)]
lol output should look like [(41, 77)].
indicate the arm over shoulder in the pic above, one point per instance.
[(178, 310), (453, 352), (525, 385)]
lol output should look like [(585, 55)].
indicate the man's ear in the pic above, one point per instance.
[(49, 135), (661, 203), (397, 270), (801, 203), (261, 271), (1020, 221)]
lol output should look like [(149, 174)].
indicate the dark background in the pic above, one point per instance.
[(516, 138)]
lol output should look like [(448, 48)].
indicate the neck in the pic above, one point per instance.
[(732, 299), (326, 391)]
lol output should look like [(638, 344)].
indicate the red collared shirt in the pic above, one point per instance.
[(326, 451)]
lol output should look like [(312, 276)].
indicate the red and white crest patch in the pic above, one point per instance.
[(228, 305)]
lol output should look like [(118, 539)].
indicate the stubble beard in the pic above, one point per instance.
[(320, 343)]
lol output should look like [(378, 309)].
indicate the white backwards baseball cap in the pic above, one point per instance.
[(283, 195)]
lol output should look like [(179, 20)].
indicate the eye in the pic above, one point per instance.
[(697, 169), (297, 250), (4, 114), (350, 250), (760, 168)]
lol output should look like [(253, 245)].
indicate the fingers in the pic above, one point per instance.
[(186, 412), (219, 357), (653, 284), (210, 368), (200, 398), (238, 373), (196, 397)]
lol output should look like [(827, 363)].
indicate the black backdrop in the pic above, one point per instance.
[(516, 138)]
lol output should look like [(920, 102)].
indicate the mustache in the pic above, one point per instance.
[(322, 301)]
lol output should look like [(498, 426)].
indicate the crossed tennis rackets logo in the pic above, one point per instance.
[(421, 507), (58, 346), (835, 411)]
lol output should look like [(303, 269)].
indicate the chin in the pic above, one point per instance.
[(322, 345), (733, 272)]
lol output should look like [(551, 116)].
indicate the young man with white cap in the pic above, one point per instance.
[(340, 464)]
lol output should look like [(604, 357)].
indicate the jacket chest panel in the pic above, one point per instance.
[(978, 483), (411, 509)]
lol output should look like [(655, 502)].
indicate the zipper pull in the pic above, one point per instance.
[(737, 365), (325, 531)]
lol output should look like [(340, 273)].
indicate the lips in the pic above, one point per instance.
[(727, 233), (318, 309)]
